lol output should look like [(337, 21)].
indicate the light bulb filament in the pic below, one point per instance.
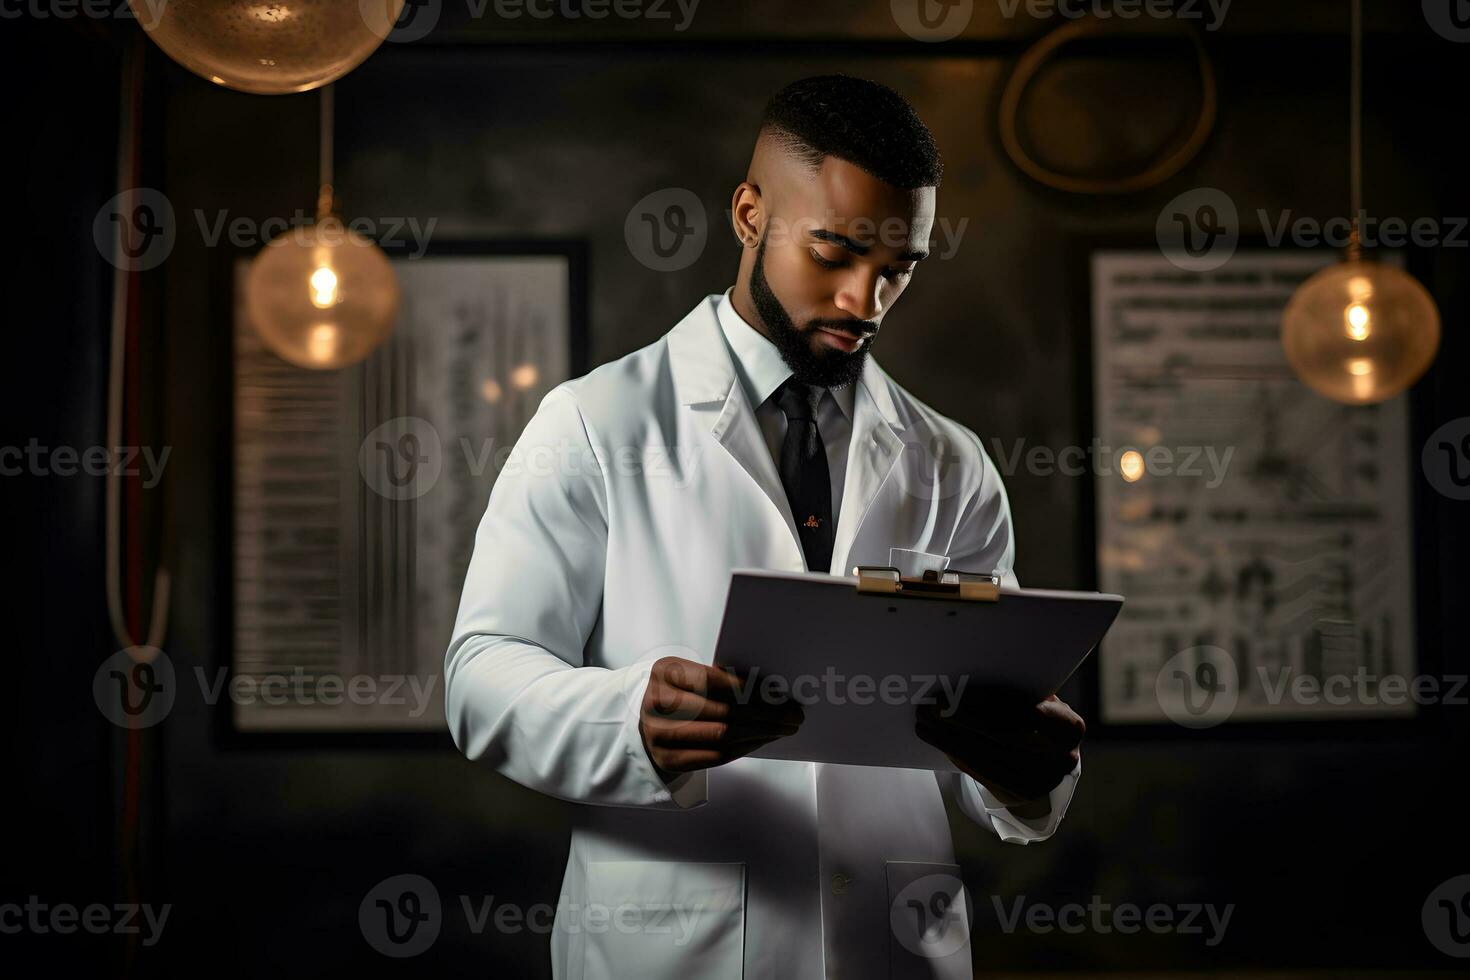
[(1358, 321), (324, 288)]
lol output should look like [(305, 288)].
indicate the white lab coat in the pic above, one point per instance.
[(607, 543)]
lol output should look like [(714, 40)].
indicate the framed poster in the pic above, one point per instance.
[(1260, 532), (356, 493)]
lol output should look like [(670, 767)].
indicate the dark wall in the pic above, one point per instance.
[(1326, 840)]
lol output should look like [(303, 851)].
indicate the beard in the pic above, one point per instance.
[(832, 368)]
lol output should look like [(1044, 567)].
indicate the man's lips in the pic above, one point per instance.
[(840, 339)]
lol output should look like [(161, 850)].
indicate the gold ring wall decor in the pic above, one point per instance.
[(1036, 57)]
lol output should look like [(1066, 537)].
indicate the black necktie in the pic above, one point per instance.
[(804, 473)]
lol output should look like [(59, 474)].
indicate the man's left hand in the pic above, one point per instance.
[(1018, 748)]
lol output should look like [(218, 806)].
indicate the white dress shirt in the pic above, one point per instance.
[(761, 371)]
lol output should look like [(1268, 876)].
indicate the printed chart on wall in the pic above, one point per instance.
[(1259, 531), (358, 492)]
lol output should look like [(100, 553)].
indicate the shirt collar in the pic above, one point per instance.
[(757, 361)]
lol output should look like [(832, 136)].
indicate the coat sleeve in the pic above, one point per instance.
[(519, 695), (985, 542)]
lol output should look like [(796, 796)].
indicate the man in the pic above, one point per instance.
[(759, 432)]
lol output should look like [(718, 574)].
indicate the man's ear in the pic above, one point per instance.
[(747, 214)]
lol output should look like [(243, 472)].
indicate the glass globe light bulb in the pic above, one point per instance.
[(321, 297), (269, 48), (1360, 332)]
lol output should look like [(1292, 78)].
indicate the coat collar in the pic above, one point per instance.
[(705, 380)]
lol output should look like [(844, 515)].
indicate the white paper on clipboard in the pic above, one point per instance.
[(860, 663)]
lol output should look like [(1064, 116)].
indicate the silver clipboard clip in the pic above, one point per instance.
[(968, 586)]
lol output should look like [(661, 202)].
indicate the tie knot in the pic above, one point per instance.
[(797, 400)]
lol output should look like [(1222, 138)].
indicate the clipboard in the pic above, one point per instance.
[(861, 652)]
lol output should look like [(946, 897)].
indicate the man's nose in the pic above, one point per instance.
[(859, 295)]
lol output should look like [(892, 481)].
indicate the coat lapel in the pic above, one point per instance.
[(705, 382), (872, 455)]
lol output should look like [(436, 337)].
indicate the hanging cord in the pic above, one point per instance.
[(325, 202), (1355, 132), (124, 322), (123, 285)]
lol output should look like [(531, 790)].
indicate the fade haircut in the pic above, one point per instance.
[(865, 123)]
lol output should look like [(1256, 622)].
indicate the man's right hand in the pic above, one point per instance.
[(698, 717)]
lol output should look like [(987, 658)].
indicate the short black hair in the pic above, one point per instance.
[(863, 122)]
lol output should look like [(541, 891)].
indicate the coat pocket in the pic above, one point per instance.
[(664, 919), (929, 920)]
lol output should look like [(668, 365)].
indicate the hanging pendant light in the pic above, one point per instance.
[(1359, 331), (265, 47), (322, 297)]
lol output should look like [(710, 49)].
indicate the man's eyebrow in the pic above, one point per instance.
[(858, 248)]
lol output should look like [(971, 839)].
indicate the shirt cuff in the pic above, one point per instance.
[(1014, 828)]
